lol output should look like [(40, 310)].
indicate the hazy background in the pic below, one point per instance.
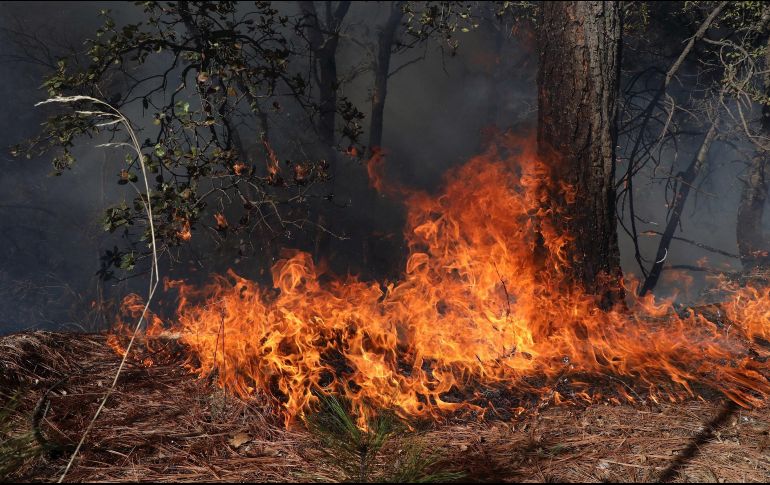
[(435, 113)]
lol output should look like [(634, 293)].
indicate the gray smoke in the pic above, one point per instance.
[(436, 112)]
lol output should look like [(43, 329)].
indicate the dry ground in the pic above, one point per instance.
[(162, 424)]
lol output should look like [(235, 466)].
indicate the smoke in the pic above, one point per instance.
[(438, 112), (51, 236)]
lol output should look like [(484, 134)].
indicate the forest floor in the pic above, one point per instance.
[(164, 424)]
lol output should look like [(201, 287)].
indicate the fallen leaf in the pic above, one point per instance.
[(239, 439)]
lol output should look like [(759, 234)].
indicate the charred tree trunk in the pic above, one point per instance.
[(752, 246), (579, 48), (385, 39)]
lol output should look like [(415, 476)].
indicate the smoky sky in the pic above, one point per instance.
[(435, 114)]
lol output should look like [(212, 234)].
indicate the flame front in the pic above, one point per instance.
[(472, 309)]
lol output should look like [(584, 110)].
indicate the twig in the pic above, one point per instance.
[(647, 116), (638, 397), (686, 178), (694, 243), (505, 289), (690, 267)]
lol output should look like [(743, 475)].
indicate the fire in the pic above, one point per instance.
[(185, 234), (473, 309), (272, 159), (374, 169), (239, 168), (222, 223)]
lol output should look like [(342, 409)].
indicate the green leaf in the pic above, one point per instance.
[(127, 261)]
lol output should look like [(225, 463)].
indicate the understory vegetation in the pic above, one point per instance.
[(382, 450)]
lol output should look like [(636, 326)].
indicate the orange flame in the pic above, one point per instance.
[(272, 158), (375, 170), (239, 168), (185, 233), (471, 310), (222, 223)]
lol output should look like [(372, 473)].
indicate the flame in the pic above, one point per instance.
[(375, 170), (185, 233), (473, 309), (222, 223), (239, 168), (272, 159)]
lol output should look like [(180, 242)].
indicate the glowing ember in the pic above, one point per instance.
[(472, 309)]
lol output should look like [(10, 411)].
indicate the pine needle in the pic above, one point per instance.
[(361, 455)]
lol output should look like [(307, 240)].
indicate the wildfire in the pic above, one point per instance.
[(473, 309)]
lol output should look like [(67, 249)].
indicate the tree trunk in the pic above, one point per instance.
[(579, 48), (752, 246), (324, 39), (385, 40)]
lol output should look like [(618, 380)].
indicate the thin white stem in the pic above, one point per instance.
[(118, 118)]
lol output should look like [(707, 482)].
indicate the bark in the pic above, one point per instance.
[(579, 48), (385, 39), (752, 245)]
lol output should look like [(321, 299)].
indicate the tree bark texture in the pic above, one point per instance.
[(579, 51)]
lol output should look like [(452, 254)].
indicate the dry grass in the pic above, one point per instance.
[(162, 424)]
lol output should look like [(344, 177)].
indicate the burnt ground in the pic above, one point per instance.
[(164, 424)]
